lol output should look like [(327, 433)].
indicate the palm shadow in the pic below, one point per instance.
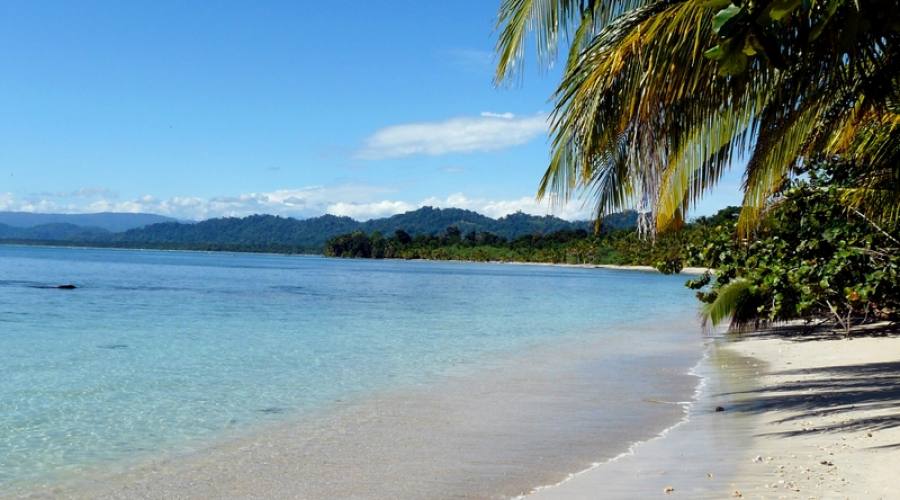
[(824, 331), (830, 391)]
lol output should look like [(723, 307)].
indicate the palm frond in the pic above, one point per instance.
[(546, 20), (732, 303), (642, 117)]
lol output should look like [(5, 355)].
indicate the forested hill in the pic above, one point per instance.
[(281, 234), (431, 221), (273, 233), (263, 233)]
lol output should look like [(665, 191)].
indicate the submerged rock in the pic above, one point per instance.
[(68, 286), (113, 346)]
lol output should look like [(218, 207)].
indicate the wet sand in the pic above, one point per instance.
[(697, 458)]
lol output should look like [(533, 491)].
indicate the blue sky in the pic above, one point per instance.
[(206, 109)]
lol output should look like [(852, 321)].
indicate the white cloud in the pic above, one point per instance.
[(357, 201), (505, 116), (302, 202), (499, 208), (490, 207), (365, 211), (487, 132)]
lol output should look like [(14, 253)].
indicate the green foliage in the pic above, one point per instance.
[(813, 258)]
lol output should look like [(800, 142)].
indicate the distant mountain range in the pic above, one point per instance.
[(270, 232), (109, 221)]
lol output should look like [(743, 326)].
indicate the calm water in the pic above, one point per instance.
[(160, 352)]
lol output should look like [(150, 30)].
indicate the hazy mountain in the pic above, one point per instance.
[(247, 233), (110, 221), (53, 232)]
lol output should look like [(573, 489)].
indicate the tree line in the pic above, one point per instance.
[(567, 246)]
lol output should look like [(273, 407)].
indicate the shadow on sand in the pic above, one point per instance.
[(873, 388), (825, 331)]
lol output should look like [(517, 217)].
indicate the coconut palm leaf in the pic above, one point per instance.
[(735, 302)]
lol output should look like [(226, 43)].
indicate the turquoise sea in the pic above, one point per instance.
[(163, 352)]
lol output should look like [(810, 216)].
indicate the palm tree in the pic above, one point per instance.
[(659, 97)]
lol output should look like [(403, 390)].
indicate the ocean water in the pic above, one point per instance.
[(159, 353)]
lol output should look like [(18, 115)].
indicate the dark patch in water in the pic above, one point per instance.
[(272, 410), (113, 346), (36, 284)]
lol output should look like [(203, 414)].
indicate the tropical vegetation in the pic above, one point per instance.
[(579, 246), (812, 259)]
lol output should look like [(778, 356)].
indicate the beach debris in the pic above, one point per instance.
[(668, 489), (826, 462), (758, 459), (719, 408), (737, 494), (709, 475)]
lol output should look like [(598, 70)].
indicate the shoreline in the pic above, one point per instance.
[(686, 459), (803, 418), (636, 446)]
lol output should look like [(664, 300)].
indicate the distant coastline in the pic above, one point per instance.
[(698, 270), (688, 270)]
